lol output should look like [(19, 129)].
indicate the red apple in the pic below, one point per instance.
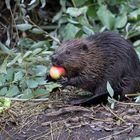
[(57, 72)]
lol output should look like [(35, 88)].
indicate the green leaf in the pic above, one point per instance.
[(41, 93), (50, 86), (36, 51), (43, 3), (70, 31), (121, 21), (4, 66), (37, 31), (25, 42), (136, 138), (39, 44), (2, 79), (57, 16), (13, 91), (4, 103), (24, 26), (10, 74), (137, 43), (27, 54), (106, 17), (80, 2), (40, 70), (7, 2), (88, 31), (41, 80), (110, 90), (14, 60), (3, 91), (5, 49), (18, 76), (27, 94), (31, 84), (75, 12), (137, 99), (134, 15)]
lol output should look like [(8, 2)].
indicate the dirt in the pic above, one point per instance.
[(54, 120)]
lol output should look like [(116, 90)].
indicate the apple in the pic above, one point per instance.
[(56, 72)]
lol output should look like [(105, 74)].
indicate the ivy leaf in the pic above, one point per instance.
[(18, 76), (31, 84), (27, 94), (106, 17), (2, 79), (13, 91), (3, 91), (41, 80), (40, 70), (10, 74)]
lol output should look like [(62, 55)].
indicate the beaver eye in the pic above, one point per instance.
[(67, 52), (84, 47)]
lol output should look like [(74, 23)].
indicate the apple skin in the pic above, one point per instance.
[(57, 72)]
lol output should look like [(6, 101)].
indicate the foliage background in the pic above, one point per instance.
[(30, 30)]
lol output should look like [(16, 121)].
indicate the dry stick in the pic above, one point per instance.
[(47, 34), (51, 130), (107, 108), (136, 104), (117, 133), (45, 134), (5, 131), (132, 95), (74, 4)]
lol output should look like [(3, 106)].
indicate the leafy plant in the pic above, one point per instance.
[(35, 32)]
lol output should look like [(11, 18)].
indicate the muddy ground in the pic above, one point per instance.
[(54, 120)]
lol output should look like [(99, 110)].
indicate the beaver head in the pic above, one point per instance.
[(72, 55)]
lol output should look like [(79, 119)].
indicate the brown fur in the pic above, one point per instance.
[(91, 62)]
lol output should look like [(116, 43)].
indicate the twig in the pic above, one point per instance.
[(136, 104), (51, 130), (32, 100), (5, 131), (67, 110), (47, 34), (74, 4), (132, 95), (117, 133), (107, 108)]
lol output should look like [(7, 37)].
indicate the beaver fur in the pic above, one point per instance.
[(91, 62)]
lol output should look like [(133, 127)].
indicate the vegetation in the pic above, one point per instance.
[(31, 30)]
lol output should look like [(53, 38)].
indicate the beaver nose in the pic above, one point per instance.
[(53, 58)]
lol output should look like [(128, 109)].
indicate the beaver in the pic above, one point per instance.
[(92, 61)]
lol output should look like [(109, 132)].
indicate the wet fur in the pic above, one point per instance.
[(91, 62)]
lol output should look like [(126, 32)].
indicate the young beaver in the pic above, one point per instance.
[(91, 62)]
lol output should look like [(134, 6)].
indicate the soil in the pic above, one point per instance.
[(54, 120)]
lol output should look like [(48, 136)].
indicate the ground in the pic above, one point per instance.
[(54, 120)]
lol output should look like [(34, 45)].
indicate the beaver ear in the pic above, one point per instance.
[(84, 47)]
